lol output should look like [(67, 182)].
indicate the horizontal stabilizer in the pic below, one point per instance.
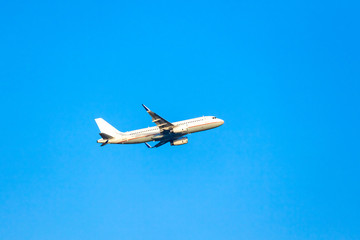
[(105, 136), (107, 141)]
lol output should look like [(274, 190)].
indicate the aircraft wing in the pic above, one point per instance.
[(158, 144), (159, 121)]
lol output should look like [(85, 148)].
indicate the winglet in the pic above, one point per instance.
[(148, 145), (146, 108)]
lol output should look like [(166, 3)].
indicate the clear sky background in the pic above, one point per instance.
[(284, 75)]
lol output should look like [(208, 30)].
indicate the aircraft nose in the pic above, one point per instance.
[(221, 121)]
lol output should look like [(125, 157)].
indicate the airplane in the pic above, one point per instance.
[(164, 132)]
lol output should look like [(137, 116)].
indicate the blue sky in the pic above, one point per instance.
[(283, 75)]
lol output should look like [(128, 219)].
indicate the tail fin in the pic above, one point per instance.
[(106, 128)]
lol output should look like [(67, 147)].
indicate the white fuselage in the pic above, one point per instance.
[(153, 133)]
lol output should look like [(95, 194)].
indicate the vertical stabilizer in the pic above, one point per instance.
[(106, 128)]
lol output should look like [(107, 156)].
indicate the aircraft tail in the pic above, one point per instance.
[(106, 130)]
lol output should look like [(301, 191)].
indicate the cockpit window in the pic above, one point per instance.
[(214, 117)]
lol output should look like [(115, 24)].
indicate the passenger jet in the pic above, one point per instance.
[(164, 132)]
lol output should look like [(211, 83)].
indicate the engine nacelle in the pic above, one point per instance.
[(179, 141), (180, 129)]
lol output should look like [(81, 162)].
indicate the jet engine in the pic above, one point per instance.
[(179, 141), (180, 129)]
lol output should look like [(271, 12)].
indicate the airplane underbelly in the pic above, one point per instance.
[(139, 140)]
